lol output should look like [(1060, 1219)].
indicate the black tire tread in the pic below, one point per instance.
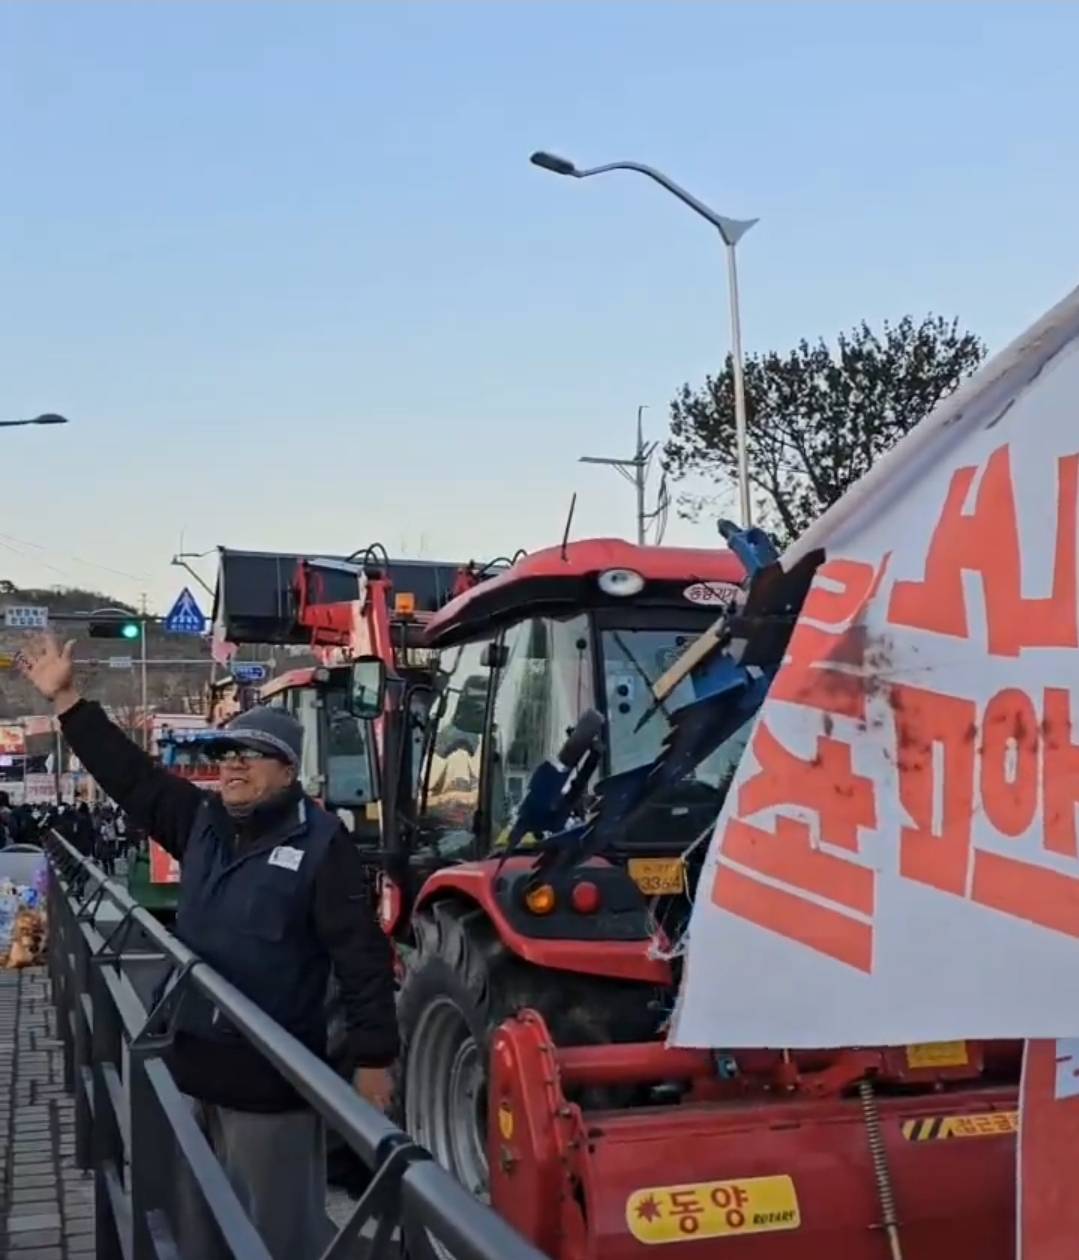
[(459, 951)]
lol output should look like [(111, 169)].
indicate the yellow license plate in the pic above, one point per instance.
[(657, 877), (712, 1209), (938, 1054)]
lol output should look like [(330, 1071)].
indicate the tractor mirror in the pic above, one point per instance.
[(471, 706), (495, 656), (368, 689)]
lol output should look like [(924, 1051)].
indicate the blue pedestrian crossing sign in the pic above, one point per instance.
[(186, 617)]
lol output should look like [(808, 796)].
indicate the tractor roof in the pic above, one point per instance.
[(559, 581), (290, 678)]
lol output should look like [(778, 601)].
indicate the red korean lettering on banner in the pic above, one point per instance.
[(827, 784), (1009, 761), (947, 749), (1060, 773), (986, 541), (813, 673), (953, 755), (932, 851), (787, 855)]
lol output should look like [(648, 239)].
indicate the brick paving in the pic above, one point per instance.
[(46, 1203)]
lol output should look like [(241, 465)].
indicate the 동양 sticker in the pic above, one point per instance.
[(712, 1209)]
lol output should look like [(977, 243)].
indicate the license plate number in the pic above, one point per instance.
[(938, 1054), (658, 877)]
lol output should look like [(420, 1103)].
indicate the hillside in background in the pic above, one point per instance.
[(171, 688)]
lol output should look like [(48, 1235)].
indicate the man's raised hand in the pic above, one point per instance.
[(50, 669)]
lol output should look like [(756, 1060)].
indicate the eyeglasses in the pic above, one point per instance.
[(239, 756)]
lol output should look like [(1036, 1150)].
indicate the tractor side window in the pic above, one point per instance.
[(543, 687), (455, 753), (348, 763), (304, 708), (419, 715)]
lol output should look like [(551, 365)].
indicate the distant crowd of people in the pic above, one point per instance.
[(103, 833)]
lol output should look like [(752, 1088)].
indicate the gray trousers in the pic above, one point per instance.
[(276, 1164)]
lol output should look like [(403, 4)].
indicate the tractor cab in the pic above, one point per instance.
[(340, 765), (587, 626)]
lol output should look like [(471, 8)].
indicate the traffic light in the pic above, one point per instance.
[(114, 628)]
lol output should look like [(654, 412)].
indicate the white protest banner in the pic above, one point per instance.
[(39, 789), (897, 858)]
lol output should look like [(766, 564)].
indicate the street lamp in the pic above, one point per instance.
[(731, 231), (50, 417)]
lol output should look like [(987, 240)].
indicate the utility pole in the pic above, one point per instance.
[(142, 670), (57, 761), (635, 471), (181, 560), (25, 757)]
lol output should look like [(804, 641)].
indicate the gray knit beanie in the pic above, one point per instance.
[(271, 731)]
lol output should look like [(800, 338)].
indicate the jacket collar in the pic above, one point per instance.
[(287, 818)]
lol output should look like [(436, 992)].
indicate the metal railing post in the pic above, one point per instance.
[(82, 1019), (61, 916), (148, 1147), (108, 1097)]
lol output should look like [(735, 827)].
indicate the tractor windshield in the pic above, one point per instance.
[(185, 758), (632, 661)]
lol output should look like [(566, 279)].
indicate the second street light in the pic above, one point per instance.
[(50, 417), (731, 231)]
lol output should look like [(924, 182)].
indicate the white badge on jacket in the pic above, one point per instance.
[(286, 856)]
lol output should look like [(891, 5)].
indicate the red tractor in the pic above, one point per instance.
[(540, 826), (585, 629)]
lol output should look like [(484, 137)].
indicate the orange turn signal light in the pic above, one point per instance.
[(540, 900), (404, 604)]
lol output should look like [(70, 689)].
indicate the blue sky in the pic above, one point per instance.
[(290, 273)]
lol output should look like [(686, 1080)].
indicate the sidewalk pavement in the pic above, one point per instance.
[(46, 1203)]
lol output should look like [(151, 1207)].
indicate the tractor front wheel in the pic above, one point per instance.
[(460, 985)]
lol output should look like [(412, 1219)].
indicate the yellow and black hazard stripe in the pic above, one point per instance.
[(926, 1130), (941, 1128)]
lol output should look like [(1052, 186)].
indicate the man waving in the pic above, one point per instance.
[(272, 895)]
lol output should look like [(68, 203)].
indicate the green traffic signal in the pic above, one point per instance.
[(114, 628)]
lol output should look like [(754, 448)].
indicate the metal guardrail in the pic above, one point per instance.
[(107, 958)]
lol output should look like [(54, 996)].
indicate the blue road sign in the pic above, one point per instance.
[(186, 617), (249, 671)]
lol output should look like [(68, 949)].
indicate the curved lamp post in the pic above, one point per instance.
[(50, 417), (731, 231)]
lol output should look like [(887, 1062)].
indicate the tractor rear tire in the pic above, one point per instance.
[(461, 984)]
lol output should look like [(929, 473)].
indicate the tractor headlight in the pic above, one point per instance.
[(621, 582)]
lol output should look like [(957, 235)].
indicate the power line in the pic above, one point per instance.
[(16, 551), (92, 564)]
